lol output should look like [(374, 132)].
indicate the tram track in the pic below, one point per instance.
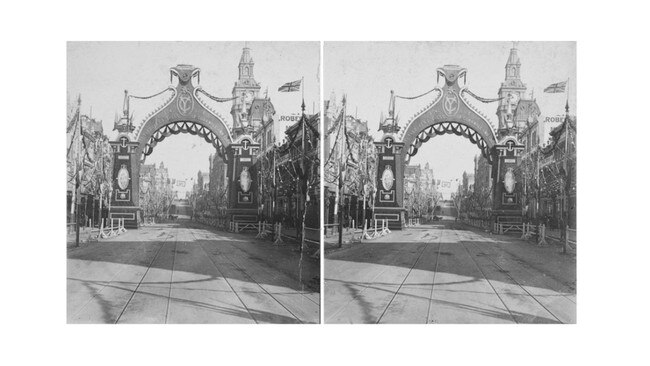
[(484, 276), (366, 285), (279, 270), (129, 262), (435, 271), (407, 276), (225, 278), (147, 271), (506, 273)]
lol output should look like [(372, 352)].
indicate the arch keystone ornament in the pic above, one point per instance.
[(182, 112), (450, 112)]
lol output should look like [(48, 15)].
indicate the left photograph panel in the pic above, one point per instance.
[(193, 186)]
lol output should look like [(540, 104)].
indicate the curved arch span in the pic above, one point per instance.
[(175, 128), (442, 128)]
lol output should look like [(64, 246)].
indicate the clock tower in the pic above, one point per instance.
[(511, 91), (245, 90)]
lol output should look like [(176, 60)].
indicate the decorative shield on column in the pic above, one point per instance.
[(509, 181)]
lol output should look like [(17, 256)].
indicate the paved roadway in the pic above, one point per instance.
[(184, 273), (449, 273)]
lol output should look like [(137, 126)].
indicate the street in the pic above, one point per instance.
[(183, 272), (449, 273)]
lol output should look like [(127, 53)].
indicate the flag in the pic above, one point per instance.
[(556, 88), (290, 86)]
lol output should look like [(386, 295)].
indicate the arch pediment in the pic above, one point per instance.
[(183, 108), (450, 112)]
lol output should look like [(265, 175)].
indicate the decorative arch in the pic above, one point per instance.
[(450, 112), (184, 112)]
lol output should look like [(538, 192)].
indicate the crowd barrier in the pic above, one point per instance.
[(540, 232), (116, 228), (478, 223), (372, 232)]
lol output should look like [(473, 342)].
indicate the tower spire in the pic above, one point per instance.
[(511, 91)]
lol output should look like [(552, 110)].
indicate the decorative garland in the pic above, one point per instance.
[(417, 96), (151, 96), (216, 99), (483, 100)]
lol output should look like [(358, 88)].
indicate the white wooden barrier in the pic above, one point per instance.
[(376, 231), (116, 228)]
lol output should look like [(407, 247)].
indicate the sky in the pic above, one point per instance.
[(101, 71), (367, 71)]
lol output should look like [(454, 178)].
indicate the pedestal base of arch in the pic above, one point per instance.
[(242, 215), (507, 216), (128, 213), (392, 214)]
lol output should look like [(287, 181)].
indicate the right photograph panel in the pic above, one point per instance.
[(450, 182)]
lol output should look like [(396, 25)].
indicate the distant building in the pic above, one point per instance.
[(154, 176)]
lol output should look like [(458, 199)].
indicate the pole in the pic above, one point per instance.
[(362, 147), (78, 173), (342, 167), (566, 169), (303, 184), (340, 208)]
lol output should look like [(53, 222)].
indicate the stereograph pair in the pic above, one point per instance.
[(433, 182)]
